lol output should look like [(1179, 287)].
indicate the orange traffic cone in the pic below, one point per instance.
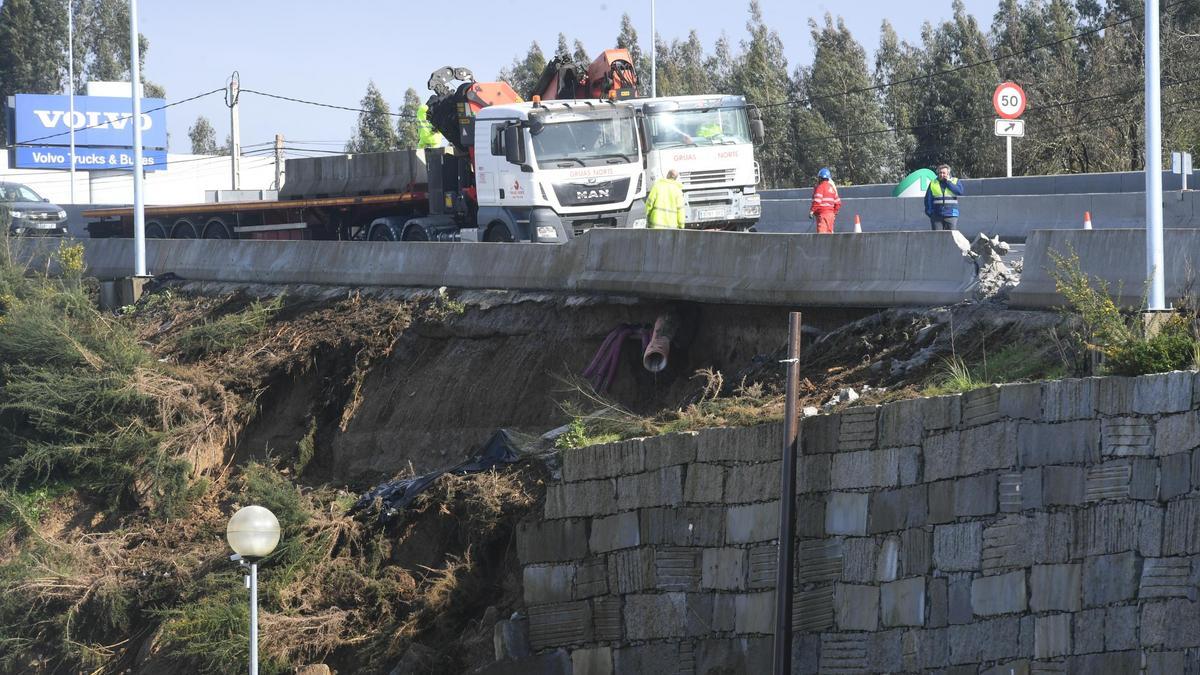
[(1087, 220), (857, 223)]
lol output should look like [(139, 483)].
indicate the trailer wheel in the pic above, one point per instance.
[(184, 229), (383, 232), (154, 230), (217, 229), (498, 232)]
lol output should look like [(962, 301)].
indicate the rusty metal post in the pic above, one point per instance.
[(787, 506)]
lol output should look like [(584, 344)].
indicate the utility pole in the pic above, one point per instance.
[(786, 560), (653, 54), (278, 161), (235, 131), (71, 86), (1156, 297), (139, 208)]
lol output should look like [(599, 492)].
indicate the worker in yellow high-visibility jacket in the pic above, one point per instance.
[(664, 206), (427, 136)]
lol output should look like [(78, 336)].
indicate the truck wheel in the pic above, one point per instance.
[(216, 229), (383, 232), (498, 232), (154, 230), (184, 229), (415, 233)]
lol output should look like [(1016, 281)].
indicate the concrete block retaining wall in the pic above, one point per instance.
[(1047, 527)]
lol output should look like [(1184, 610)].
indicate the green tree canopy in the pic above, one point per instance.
[(523, 74), (407, 135), (374, 131), (203, 137)]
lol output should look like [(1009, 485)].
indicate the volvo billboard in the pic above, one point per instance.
[(41, 125)]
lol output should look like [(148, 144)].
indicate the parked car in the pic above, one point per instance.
[(30, 213)]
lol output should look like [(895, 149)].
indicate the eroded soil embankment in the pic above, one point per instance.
[(464, 367)]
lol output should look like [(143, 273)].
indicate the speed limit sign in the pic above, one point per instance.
[(1009, 100)]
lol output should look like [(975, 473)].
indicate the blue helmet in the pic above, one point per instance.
[(824, 174)]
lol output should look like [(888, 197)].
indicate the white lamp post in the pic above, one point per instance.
[(253, 533)]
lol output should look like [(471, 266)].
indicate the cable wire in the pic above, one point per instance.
[(120, 119), (325, 105), (1031, 111)]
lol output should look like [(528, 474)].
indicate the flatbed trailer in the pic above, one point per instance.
[(324, 198), (319, 218)]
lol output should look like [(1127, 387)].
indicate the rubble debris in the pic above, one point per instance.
[(995, 277)]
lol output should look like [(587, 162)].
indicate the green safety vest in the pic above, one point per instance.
[(427, 137), (664, 205), (709, 130), (943, 198)]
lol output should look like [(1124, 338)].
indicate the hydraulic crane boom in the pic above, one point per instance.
[(452, 108), (612, 73)]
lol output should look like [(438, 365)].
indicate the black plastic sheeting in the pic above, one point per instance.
[(394, 496)]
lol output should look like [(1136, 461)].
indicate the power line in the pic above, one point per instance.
[(120, 119), (325, 105), (965, 66), (1032, 111)]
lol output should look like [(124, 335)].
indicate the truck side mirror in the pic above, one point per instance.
[(757, 133), (514, 145)]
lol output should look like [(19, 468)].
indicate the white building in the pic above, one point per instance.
[(184, 181)]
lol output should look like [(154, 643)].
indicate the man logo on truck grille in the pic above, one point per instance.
[(602, 193)]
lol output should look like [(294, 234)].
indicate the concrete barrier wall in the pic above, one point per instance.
[(1011, 217), (1076, 183), (1116, 256), (886, 269), (1028, 528)]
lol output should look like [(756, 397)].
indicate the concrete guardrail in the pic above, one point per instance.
[(1118, 257), (876, 270), (1010, 216)]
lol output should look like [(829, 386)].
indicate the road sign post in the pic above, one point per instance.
[(1009, 101), (1181, 163)]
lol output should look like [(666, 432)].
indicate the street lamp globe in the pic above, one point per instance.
[(253, 532)]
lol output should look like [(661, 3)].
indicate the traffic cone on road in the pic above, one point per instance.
[(1087, 220), (857, 224)]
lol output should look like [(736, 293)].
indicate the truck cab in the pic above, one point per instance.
[(710, 141), (545, 172)]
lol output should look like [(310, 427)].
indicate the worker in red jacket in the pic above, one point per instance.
[(825, 202)]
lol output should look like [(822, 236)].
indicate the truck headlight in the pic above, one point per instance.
[(62, 214), (17, 214), (546, 232)]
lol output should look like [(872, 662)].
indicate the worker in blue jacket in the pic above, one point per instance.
[(941, 200)]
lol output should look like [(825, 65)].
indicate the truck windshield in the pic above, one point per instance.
[(711, 126), (585, 141)]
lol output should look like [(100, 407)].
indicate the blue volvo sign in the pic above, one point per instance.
[(99, 121), (86, 159)]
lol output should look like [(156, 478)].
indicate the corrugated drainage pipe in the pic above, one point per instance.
[(654, 359)]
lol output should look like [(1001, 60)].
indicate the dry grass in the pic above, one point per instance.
[(606, 421)]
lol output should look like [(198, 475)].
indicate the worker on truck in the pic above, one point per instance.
[(665, 207), (427, 136), (825, 202)]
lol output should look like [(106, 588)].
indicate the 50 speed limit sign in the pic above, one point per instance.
[(1009, 100)]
